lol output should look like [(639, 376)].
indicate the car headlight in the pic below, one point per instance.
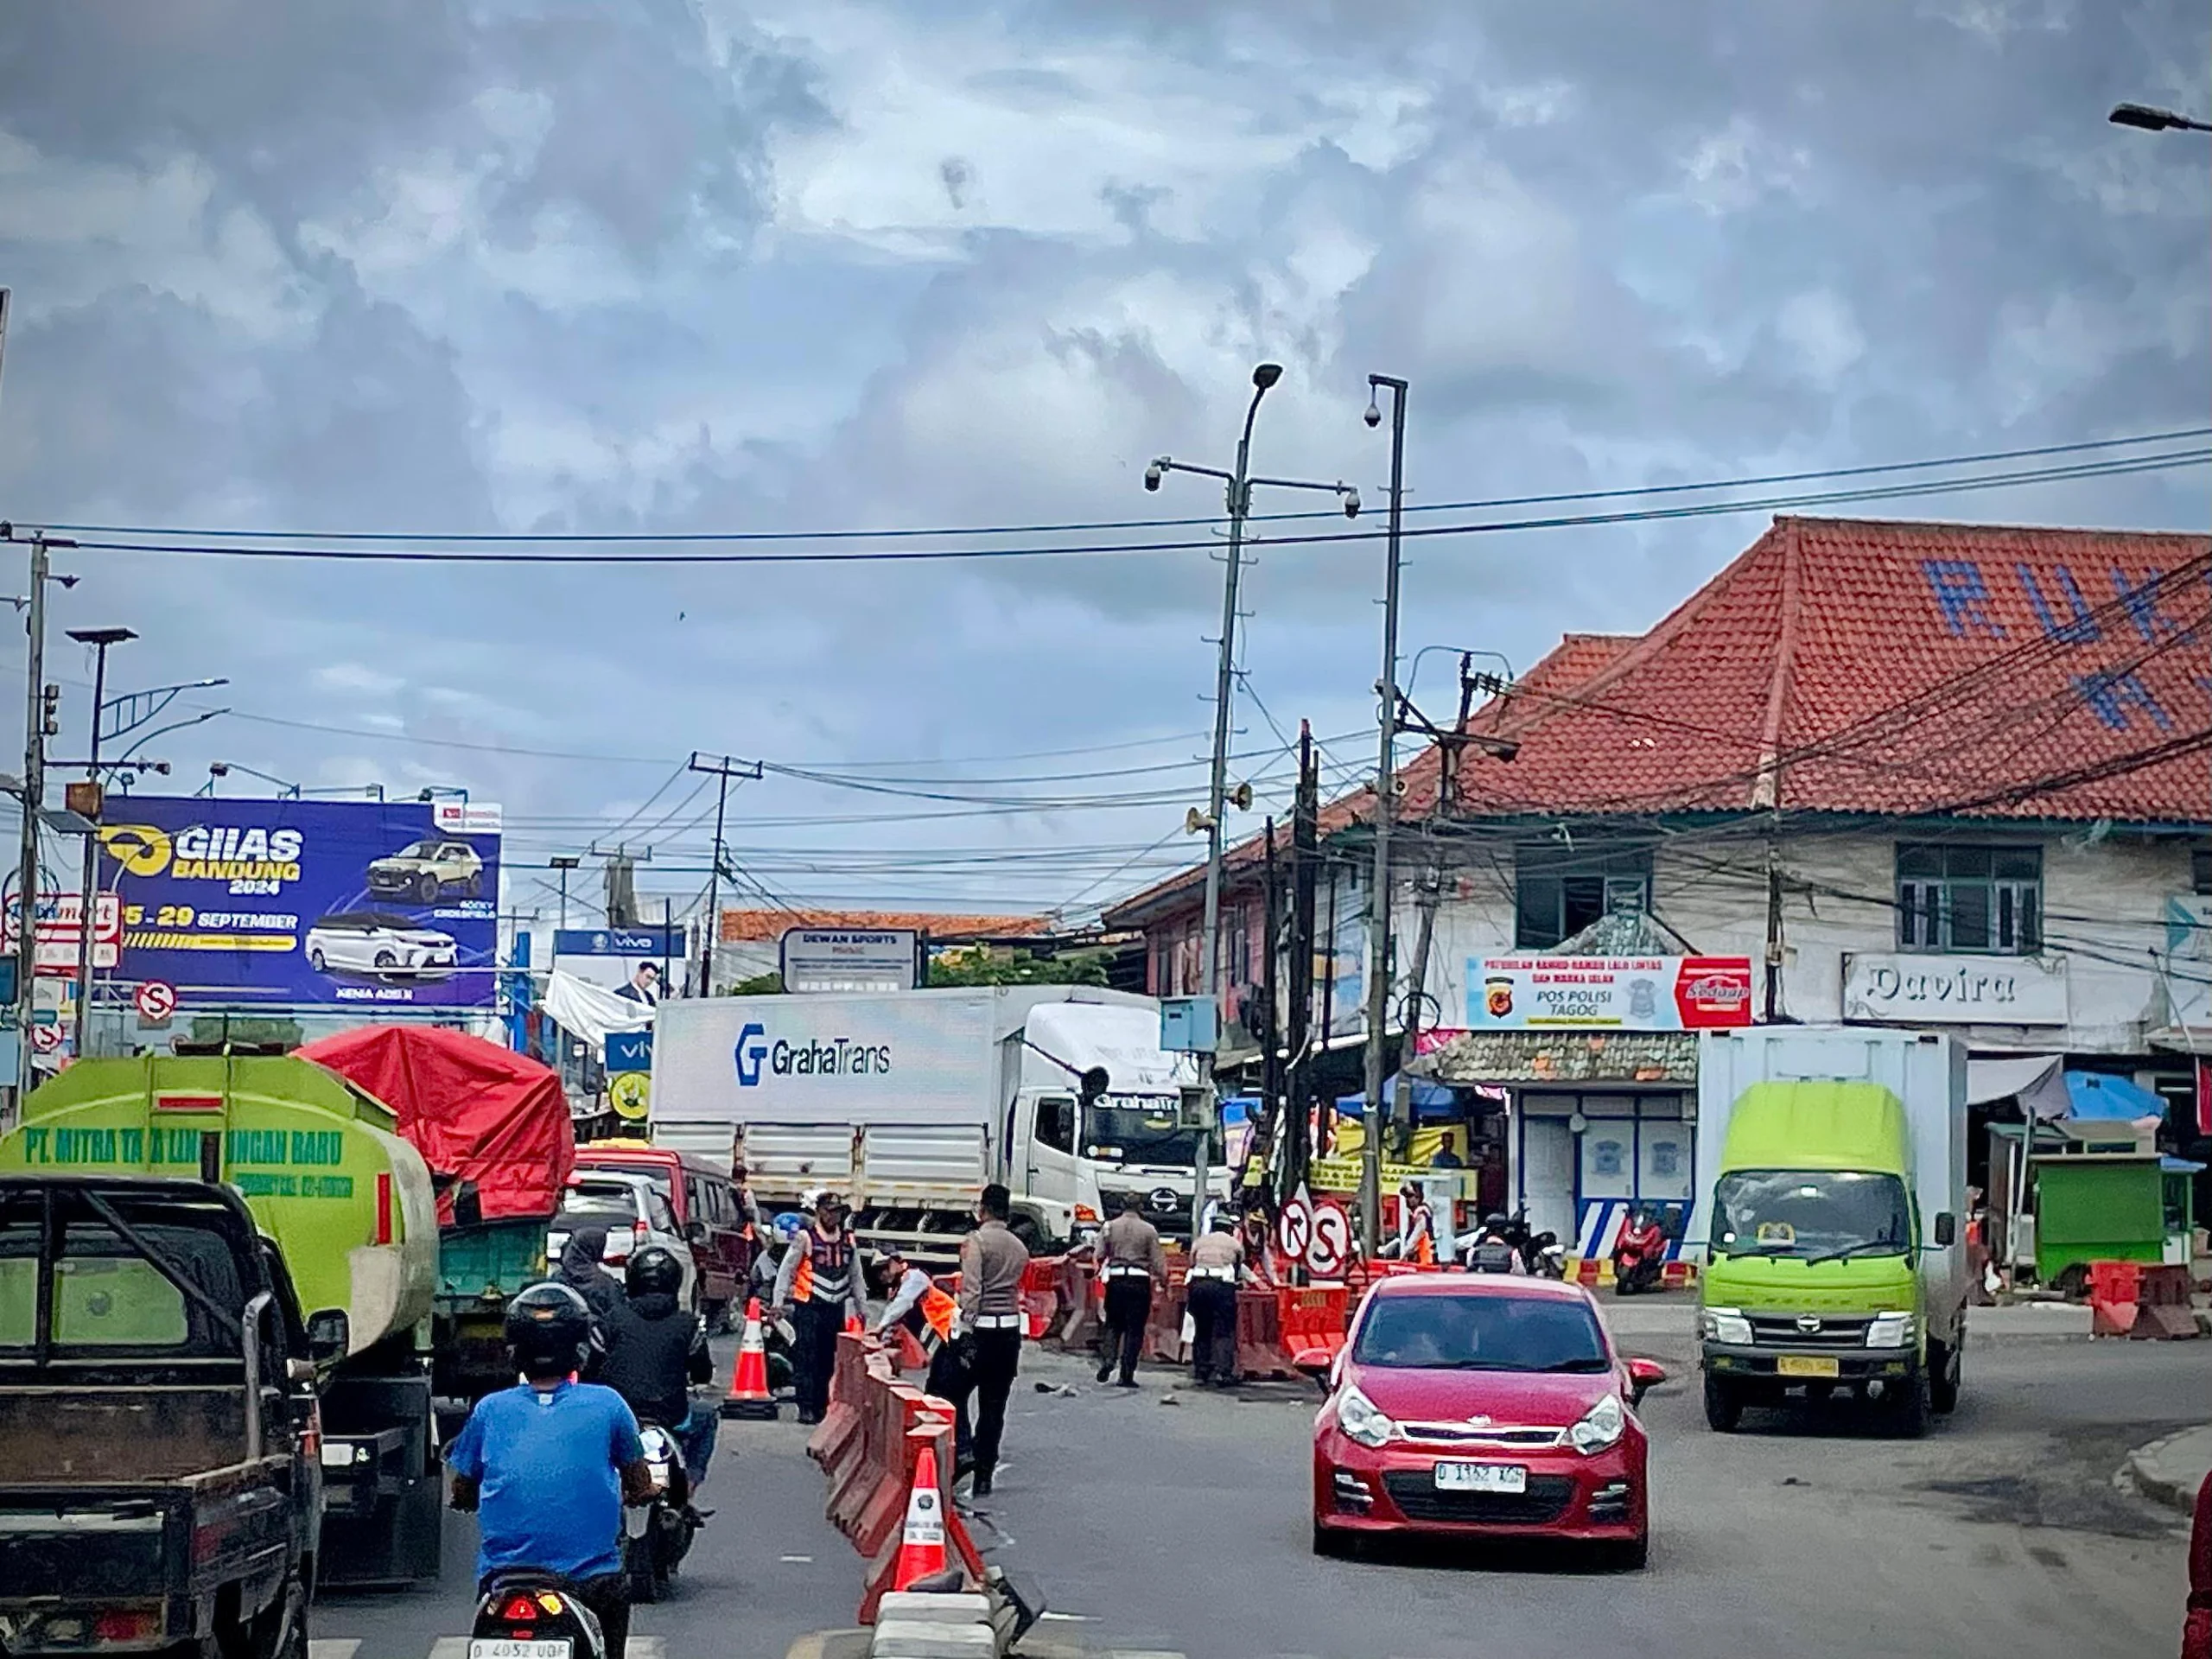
[(1725, 1325), (1892, 1330), (1363, 1420), (1600, 1428)]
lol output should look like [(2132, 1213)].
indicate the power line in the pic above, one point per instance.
[(2162, 462), (169, 532)]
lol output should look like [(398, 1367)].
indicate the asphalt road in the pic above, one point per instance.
[(1182, 1528)]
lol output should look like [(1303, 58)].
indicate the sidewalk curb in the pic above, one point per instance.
[(2141, 1471)]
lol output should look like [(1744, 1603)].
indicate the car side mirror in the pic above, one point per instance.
[(1947, 1227), (300, 1370), (1324, 1367), (1643, 1376), (329, 1334)]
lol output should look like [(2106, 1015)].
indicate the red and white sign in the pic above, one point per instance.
[(1610, 993), (46, 1040), (1294, 1226), (1330, 1251), (155, 1001), (60, 925)]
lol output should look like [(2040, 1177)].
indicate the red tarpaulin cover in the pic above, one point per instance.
[(480, 1114)]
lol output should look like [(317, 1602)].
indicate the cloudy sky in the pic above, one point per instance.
[(450, 268)]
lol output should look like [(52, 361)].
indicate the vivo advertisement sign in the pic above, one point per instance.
[(296, 903), (897, 1058)]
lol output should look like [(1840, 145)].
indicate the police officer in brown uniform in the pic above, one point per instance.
[(1131, 1262), (1216, 1264), (992, 1262)]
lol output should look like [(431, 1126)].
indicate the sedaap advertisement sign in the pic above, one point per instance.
[(291, 903), (1609, 993)]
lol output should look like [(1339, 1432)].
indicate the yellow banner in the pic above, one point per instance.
[(1342, 1175)]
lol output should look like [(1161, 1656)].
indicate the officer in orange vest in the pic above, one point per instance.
[(819, 1288), (933, 1316), (1416, 1227)]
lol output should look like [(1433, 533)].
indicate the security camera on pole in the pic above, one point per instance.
[(1240, 483)]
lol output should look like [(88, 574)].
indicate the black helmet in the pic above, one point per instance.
[(653, 1271), (1496, 1222), (548, 1330)]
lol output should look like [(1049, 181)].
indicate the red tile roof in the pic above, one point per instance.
[(764, 926), (1859, 666)]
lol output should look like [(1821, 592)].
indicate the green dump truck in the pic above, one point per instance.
[(350, 1206)]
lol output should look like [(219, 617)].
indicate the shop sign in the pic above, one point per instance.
[(1609, 993), (1921, 990)]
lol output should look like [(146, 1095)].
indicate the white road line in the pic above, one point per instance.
[(337, 1648), (796, 1561), (450, 1647)]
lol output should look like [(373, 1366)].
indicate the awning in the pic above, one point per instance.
[(2033, 1077), (1429, 1099), (1652, 1058), (2101, 1095)]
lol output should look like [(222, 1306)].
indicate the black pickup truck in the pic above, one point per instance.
[(160, 1484)]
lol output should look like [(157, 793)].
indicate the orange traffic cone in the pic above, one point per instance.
[(748, 1382), (921, 1546)]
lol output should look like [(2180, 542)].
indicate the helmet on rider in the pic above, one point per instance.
[(548, 1330), (653, 1271), (1495, 1222)]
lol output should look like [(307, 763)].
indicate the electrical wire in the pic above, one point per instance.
[(2166, 460), (640, 538)]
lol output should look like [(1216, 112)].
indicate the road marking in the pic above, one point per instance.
[(798, 1560), (1064, 1618), (338, 1648)]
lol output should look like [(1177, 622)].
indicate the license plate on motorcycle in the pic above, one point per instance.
[(499, 1647), (1806, 1365), (1506, 1477)]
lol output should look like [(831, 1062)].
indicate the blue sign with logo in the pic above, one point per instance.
[(290, 903), (648, 944), (629, 1051)]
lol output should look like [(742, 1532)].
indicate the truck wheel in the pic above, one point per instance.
[(1915, 1406), (1025, 1228), (280, 1630), (1724, 1406), (1943, 1361)]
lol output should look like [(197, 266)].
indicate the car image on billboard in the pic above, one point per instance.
[(290, 903)]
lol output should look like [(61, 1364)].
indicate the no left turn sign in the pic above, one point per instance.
[(1295, 1228)]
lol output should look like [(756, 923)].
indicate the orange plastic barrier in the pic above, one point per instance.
[(1312, 1322), (2130, 1299)]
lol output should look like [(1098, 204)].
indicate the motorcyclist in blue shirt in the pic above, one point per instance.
[(548, 1465)]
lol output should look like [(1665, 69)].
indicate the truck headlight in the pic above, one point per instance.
[(1725, 1325), (1892, 1330), (1363, 1420), (1600, 1428)]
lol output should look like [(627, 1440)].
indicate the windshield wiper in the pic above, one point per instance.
[(1757, 1250), (1590, 1364), (1885, 1244)]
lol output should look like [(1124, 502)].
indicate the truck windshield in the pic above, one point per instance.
[(1138, 1132), (1825, 1214)]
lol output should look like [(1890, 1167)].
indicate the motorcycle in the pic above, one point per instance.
[(1639, 1259), (656, 1534), (1544, 1257), (527, 1614)]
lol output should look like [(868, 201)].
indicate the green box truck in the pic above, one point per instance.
[(1831, 1181), (349, 1205)]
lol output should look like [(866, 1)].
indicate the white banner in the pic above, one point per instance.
[(1922, 990)]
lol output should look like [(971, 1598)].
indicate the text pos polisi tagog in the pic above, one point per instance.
[(758, 1054)]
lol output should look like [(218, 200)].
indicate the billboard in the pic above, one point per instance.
[(627, 960), (292, 903), (1609, 993), (822, 959)]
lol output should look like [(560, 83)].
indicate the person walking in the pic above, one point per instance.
[(992, 1262), (933, 1318), (1132, 1263), (818, 1288), (1217, 1265)]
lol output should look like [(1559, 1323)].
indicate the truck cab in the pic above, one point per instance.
[(1829, 1224), (159, 1461)]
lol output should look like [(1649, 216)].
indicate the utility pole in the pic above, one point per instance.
[(1449, 749), (39, 724), (1240, 482), (88, 886), (1266, 1129), (564, 862), (1298, 1105), (1386, 780), (722, 769)]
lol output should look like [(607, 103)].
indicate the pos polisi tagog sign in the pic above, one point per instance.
[(290, 903)]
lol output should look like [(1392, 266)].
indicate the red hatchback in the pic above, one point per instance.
[(1478, 1406)]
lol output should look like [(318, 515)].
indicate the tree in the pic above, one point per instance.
[(768, 984), (984, 968)]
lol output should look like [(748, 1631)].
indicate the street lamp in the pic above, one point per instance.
[(286, 790), (88, 884), (1239, 482), (2151, 120), (564, 862), (1385, 778)]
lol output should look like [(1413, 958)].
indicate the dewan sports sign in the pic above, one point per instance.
[(758, 1054)]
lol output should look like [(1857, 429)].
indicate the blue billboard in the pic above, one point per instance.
[(295, 904)]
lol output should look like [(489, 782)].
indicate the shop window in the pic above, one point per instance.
[(1970, 899), (1559, 891), (2200, 871)]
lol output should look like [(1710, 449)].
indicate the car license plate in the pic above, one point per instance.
[(504, 1647), (1508, 1477), (1806, 1365)]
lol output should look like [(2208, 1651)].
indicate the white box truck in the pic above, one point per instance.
[(1831, 1191), (910, 1102)]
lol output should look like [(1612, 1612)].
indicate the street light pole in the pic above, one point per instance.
[(723, 769), (34, 798), (1386, 779), (564, 862), (2155, 120), (1239, 482), (88, 886)]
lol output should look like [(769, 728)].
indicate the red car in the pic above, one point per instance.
[(1480, 1405)]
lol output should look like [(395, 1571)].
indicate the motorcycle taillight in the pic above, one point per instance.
[(519, 1608)]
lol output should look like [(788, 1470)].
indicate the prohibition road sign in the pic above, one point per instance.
[(1295, 1228), (46, 1040), (156, 1000), (1331, 1247)]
